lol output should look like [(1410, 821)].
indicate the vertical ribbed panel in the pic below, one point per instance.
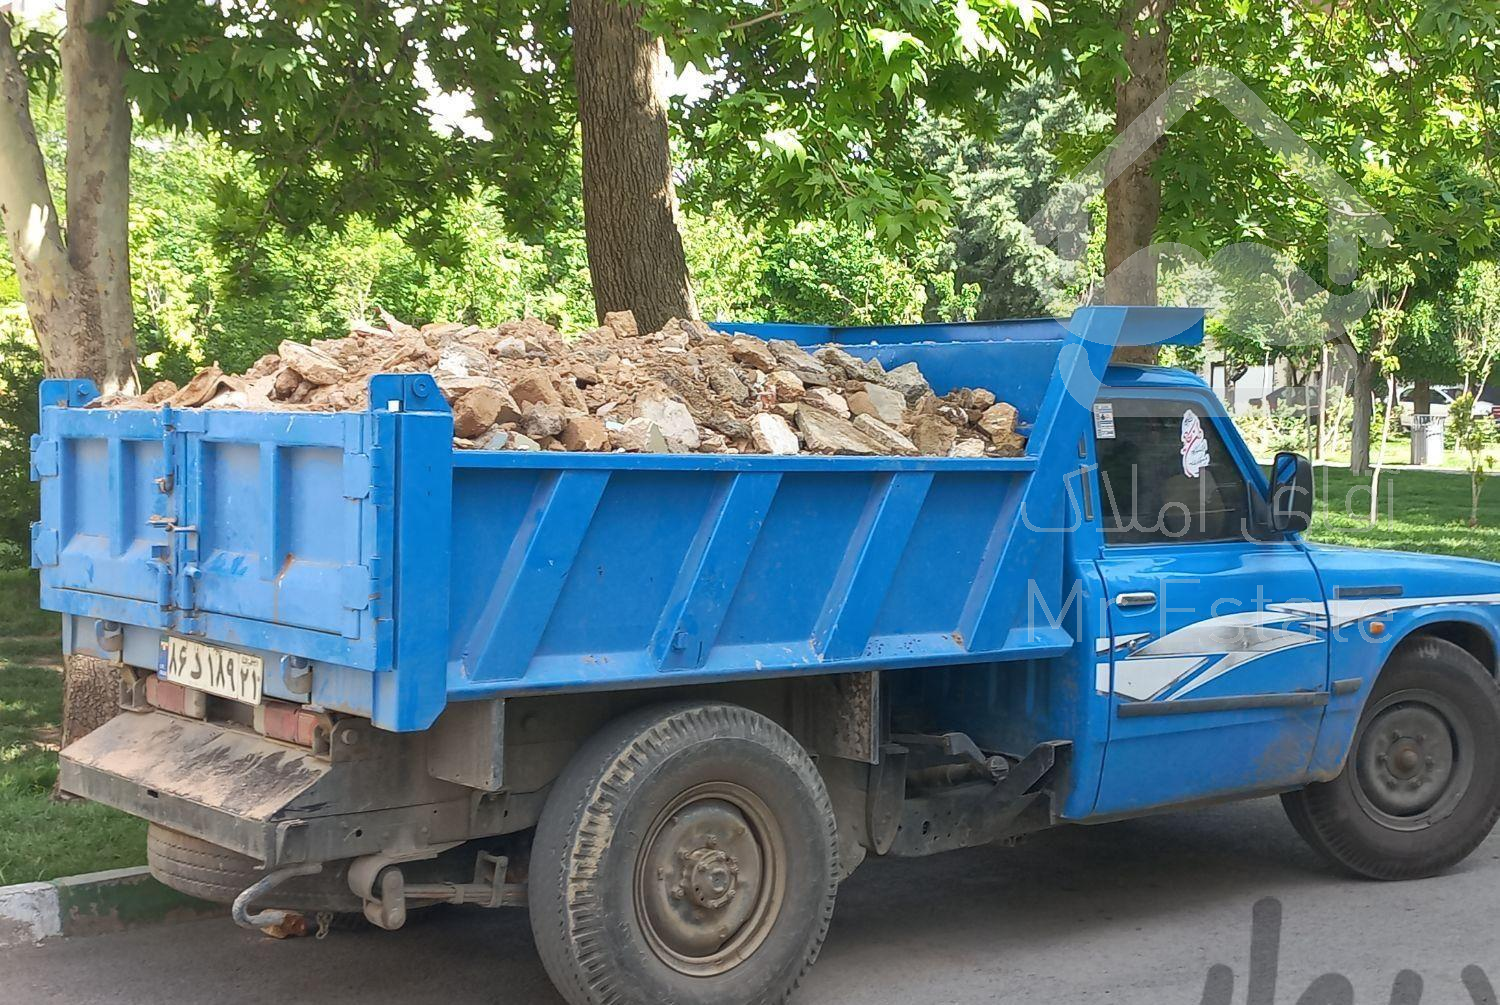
[(532, 576), (869, 564), (273, 550), (711, 571)]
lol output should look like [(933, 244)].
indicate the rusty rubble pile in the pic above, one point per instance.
[(684, 389)]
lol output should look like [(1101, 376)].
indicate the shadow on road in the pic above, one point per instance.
[(1149, 903)]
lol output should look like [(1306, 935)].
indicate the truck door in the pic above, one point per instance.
[(1217, 656)]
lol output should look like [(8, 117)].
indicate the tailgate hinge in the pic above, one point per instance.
[(356, 586), (44, 458), (43, 546)]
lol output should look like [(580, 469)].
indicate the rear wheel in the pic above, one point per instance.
[(687, 854), (1421, 787)]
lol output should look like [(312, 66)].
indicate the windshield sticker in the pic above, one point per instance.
[(1104, 420), (1194, 446)]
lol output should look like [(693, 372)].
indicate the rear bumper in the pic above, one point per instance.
[(274, 802)]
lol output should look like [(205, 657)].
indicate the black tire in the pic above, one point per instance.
[(204, 870), (687, 854), (196, 867), (1421, 787)]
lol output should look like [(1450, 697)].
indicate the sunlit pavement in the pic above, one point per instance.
[(1128, 912)]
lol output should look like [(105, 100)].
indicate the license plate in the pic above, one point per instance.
[(223, 672)]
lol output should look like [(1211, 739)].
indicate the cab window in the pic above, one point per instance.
[(1166, 475)]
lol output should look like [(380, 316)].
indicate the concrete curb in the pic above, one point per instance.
[(92, 904)]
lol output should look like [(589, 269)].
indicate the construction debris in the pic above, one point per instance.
[(686, 388)]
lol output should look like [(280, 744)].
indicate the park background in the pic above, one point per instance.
[(894, 181)]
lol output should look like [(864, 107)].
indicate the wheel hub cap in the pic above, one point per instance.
[(1406, 760), (708, 881)]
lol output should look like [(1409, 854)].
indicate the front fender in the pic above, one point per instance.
[(1361, 646)]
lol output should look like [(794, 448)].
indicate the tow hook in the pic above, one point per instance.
[(270, 918)]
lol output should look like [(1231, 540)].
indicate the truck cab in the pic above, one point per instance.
[(667, 702)]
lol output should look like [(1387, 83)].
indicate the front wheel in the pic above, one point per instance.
[(1421, 787), (687, 854)]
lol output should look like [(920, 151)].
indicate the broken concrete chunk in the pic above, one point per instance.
[(933, 435), (479, 409), (907, 378), (315, 366), (540, 419), (998, 422), (890, 441), (752, 352), (727, 425), (674, 420), (725, 381), (459, 360), (204, 385), (879, 402), (828, 400), (785, 385), (792, 356), (510, 348), (640, 436), (263, 367), (495, 439), (520, 385), (772, 435), (825, 433), (849, 366), (584, 432), (967, 448), (159, 392), (396, 327), (535, 389)]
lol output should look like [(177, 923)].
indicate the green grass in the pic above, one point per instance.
[(40, 837), (1419, 510)]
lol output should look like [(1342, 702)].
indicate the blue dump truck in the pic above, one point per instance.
[(668, 702)]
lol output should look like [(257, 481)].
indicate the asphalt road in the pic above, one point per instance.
[(1124, 913)]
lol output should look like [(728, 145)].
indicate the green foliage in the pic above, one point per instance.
[(1474, 435), (20, 372), (41, 838), (805, 113), (1000, 184), (1476, 319), (829, 274)]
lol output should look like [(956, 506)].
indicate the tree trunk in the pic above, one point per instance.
[(1364, 415), (75, 283), (1322, 440), (635, 254), (1132, 198), (1385, 432), (98, 187)]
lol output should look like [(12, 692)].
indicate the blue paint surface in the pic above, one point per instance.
[(412, 574)]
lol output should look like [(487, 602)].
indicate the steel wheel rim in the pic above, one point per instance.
[(710, 879), (1413, 760)]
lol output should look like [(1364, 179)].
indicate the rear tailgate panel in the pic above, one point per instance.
[(257, 530)]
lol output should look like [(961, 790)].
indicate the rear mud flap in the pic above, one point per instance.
[(223, 785)]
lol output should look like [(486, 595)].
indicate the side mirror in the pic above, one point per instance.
[(1291, 493)]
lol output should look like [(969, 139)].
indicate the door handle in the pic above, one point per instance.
[(1143, 598)]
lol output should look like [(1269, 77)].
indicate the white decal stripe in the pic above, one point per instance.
[(1144, 679), (1235, 660)]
